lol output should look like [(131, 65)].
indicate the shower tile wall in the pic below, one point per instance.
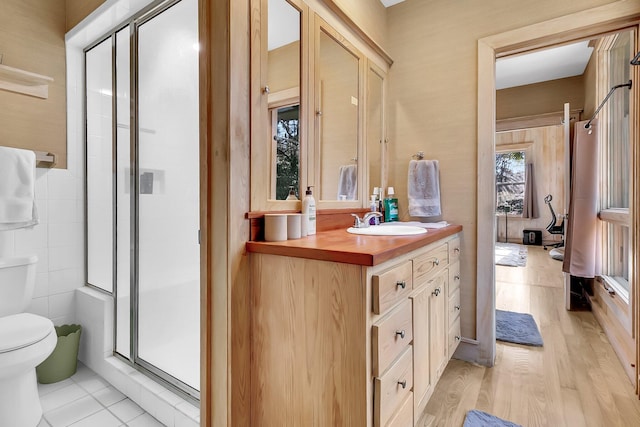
[(58, 240)]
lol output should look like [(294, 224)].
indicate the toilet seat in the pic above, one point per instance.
[(22, 330)]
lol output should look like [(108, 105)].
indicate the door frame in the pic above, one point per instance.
[(580, 25)]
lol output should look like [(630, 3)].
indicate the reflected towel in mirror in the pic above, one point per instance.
[(348, 182), (424, 188), (17, 188)]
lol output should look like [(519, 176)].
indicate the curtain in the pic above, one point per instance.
[(530, 206), (581, 232)]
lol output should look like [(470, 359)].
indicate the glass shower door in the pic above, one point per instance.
[(168, 269)]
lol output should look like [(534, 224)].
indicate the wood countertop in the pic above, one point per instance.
[(342, 246)]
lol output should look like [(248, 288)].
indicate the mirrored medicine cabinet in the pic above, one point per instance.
[(317, 111)]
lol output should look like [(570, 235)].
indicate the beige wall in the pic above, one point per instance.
[(32, 39), (370, 15), (433, 101), (539, 98), (77, 10)]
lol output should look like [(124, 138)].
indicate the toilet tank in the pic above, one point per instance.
[(17, 281)]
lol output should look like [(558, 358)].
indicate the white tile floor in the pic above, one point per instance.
[(87, 400)]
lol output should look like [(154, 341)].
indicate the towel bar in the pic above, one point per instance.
[(45, 159)]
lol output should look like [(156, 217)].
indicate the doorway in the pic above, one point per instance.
[(577, 26)]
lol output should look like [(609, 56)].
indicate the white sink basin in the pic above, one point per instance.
[(388, 230)]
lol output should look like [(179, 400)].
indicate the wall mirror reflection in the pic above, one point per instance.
[(338, 95), (283, 99)]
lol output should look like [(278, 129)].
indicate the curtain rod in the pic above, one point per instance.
[(628, 84)]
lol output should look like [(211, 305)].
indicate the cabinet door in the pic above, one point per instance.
[(422, 384), (438, 325)]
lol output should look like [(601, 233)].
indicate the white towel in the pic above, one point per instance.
[(424, 188), (17, 188), (348, 182)]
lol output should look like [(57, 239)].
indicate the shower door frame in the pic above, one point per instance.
[(133, 23)]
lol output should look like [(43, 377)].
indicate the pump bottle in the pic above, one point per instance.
[(308, 213)]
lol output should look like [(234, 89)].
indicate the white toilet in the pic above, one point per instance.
[(25, 341)]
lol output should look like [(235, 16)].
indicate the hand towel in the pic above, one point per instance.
[(424, 188), (17, 188), (348, 182)]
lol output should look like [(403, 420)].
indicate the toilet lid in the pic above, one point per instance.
[(21, 330)]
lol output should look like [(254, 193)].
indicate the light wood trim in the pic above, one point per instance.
[(388, 394), (618, 216), (423, 383), (538, 120), (579, 25), (284, 97), (385, 288), (385, 341), (25, 82), (331, 5), (634, 273)]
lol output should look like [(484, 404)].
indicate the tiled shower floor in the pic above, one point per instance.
[(87, 400)]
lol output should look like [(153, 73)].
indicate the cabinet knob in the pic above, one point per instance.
[(457, 307), (401, 283), (436, 292), (436, 261), (403, 383), (456, 250), (456, 277), (266, 90), (401, 333), (457, 337)]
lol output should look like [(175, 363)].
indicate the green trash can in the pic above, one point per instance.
[(63, 362)]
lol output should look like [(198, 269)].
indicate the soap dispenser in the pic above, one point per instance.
[(292, 193), (308, 213)]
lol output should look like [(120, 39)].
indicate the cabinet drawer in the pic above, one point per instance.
[(390, 336), (404, 416), (392, 389), (454, 336), (391, 286), (454, 250), (425, 264), (454, 277), (454, 306)]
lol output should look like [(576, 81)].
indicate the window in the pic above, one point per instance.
[(510, 182), (616, 164), (287, 150)]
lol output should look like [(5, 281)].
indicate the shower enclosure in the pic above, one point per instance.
[(143, 187)]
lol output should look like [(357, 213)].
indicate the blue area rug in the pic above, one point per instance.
[(477, 418), (517, 328)]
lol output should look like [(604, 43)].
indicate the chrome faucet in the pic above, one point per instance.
[(364, 222)]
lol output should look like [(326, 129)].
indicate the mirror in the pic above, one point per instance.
[(375, 127), (338, 94), (283, 83)]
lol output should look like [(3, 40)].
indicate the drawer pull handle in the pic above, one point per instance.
[(436, 261), (401, 283), (403, 383), (457, 337), (456, 277), (401, 333), (436, 292), (457, 307), (456, 250)]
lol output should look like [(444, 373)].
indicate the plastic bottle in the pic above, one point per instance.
[(390, 206), (374, 208), (308, 213)]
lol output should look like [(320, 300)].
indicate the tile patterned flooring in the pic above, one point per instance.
[(87, 400)]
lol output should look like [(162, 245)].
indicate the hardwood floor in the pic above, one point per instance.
[(574, 380)]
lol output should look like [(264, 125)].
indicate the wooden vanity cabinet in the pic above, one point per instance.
[(350, 345)]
